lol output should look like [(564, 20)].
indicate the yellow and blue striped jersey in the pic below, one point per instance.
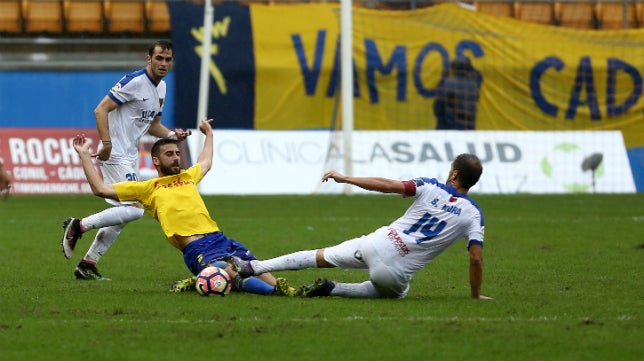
[(174, 201)]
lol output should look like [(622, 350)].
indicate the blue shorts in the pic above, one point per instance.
[(200, 253)]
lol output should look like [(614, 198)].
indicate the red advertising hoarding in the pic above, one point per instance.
[(44, 160)]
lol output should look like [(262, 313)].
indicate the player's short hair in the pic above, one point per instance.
[(163, 44), (156, 148), (469, 169)]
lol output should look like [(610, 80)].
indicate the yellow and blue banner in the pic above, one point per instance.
[(232, 65), (277, 68)]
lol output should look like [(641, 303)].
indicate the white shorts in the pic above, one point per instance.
[(376, 253), (118, 173)]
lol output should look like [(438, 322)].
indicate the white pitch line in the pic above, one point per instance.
[(621, 318)]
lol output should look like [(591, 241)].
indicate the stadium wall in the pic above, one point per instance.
[(535, 77), (44, 161), (276, 68), (61, 99)]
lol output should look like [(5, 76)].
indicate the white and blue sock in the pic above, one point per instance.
[(292, 261), (111, 217)]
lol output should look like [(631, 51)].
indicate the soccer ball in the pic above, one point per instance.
[(213, 281)]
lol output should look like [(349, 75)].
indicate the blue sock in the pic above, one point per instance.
[(255, 285)]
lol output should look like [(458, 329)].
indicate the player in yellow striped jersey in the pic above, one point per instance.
[(173, 199)]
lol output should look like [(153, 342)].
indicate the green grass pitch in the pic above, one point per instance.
[(566, 272)]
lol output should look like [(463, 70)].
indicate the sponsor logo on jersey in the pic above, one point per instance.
[(398, 243)]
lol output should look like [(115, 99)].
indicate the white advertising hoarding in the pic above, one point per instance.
[(292, 162)]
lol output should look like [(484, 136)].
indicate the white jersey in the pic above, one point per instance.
[(140, 100), (438, 217)]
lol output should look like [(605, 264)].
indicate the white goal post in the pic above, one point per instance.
[(346, 56)]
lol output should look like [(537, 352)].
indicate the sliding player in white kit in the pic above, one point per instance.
[(440, 215), (132, 108)]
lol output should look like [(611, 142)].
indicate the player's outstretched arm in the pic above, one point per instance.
[(205, 157), (160, 131), (99, 188), (378, 184), (476, 272), (102, 126)]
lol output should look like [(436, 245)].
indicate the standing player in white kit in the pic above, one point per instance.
[(440, 215), (131, 109)]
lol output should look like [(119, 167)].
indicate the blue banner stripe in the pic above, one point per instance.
[(231, 98)]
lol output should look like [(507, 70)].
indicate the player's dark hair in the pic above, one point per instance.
[(156, 148), (469, 169), (163, 44)]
